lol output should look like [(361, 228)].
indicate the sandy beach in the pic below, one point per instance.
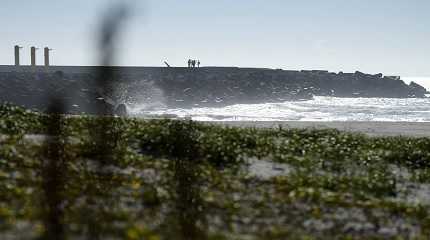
[(411, 129)]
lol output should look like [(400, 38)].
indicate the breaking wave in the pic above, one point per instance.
[(318, 109)]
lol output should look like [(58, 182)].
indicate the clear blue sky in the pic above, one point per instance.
[(388, 36)]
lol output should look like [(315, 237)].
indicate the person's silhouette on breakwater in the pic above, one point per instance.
[(192, 63)]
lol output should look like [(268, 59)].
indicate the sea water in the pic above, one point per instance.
[(318, 109)]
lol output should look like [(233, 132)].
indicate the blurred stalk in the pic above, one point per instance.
[(53, 172), (106, 134)]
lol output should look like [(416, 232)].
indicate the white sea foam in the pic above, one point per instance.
[(318, 109)]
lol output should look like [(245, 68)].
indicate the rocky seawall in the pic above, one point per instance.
[(209, 86)]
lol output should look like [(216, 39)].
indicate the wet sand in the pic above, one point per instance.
[(411, 129)]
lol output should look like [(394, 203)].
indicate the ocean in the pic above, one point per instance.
[(318, 109)]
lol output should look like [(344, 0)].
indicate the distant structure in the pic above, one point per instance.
[(17, 49), (33, 56), (46, 53)]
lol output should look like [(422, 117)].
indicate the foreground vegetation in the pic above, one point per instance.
[(115, 178)]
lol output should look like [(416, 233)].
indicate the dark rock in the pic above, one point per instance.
[(121, 110), (417, 89), (379, 75), (101, 107)]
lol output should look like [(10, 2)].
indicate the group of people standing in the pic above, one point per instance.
[(193, 63)]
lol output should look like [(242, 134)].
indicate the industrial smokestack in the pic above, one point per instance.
[(33, 56), (47, 50), (17, 48)]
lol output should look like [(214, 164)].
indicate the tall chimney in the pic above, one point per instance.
[(33, 56), (17, 48), (46, 51)]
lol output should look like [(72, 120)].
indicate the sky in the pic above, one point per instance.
[(383, 36)]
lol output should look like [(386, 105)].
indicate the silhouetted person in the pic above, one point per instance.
[(194, 63), (189, 63), (198, 63)]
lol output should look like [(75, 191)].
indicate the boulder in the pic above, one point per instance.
[(121, 110), (417, 89)]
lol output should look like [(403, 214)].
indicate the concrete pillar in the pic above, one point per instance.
[(17, 48), (47, 56), (33, 56), (46, 51)]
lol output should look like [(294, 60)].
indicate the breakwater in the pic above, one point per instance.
[(186, 87)]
